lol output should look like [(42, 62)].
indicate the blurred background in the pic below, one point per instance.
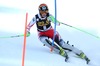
[(82, 14)]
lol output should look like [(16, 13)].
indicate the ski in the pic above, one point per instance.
[(66, 59), (87, 60)]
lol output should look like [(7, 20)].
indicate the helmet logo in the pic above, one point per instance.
[(44, 8)]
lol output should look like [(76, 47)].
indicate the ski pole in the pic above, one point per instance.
[(12, 36), (81, 30), (53, 19)]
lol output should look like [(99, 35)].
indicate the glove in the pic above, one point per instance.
[(27, 34)]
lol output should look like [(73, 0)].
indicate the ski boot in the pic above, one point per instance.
[(83, 56), (64, 53)]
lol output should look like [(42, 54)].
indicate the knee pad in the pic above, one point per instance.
[(61, 42), (43, 39)]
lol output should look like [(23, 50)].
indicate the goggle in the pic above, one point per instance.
[(43, 11)]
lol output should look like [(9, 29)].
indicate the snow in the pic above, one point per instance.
[(39, 55), (85, 17)]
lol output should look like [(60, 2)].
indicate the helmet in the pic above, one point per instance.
[(43, 7), (43, 10)]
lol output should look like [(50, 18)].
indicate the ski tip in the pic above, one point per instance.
[(51, 49)]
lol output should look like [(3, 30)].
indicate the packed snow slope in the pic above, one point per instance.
[(39, 55)]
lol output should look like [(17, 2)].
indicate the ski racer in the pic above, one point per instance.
[(45, 32)]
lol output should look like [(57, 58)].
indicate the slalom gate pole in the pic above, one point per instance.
[(55, 3), (24, 44)]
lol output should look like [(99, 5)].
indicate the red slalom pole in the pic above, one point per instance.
[(24, 45)]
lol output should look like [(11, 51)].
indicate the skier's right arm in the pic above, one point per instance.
[(31, 23)]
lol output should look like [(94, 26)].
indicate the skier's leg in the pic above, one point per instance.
[(73, 49), (69, 47), (60, 42), (45, 41), (48, 43), (64, 45)]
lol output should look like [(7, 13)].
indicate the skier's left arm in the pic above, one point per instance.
[(53, 20)]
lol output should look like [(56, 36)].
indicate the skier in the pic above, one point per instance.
[(46, 32)]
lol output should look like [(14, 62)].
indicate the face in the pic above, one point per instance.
[(43, 13)]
